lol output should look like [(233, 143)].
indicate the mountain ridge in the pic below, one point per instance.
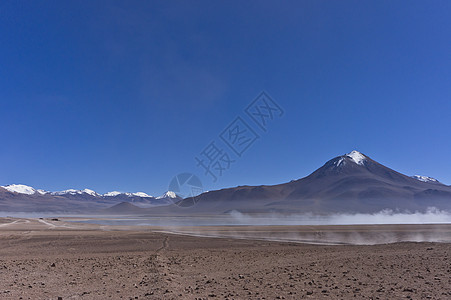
[(352, 182), (22, 198)]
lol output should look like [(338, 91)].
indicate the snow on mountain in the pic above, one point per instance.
[(90, 192), (69, 191), (141, 194), (76, 192), (339, 162), (112, 194), (357, 157), (137, 194), (425, 178), (168, 194), (28, 190), (20, 189), (42, 192)]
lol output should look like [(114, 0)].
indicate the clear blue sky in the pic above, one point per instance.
[(122, 95)]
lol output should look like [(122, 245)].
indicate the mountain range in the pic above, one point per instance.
[(23, 198), (348, 183)]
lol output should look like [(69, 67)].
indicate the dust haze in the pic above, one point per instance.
[(383, 227), (386, 226), (431, 216)]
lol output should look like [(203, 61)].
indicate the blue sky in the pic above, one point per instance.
[(123, 95)]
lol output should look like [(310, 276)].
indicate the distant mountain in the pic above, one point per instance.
[(168, 194), (23, 198), (23, 189), (76, 192), (138, 194), (349, 183)]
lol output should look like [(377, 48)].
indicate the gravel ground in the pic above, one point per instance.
[(44, 259)]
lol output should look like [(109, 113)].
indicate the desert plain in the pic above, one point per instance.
[(58, 259)]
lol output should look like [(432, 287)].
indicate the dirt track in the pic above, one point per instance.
[(44, 259)]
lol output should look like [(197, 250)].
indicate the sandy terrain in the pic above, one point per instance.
[(45, 259)]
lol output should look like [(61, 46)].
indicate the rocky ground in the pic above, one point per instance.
[(45, 259)]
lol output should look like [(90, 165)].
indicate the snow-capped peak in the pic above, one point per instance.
[(20, 189), (42, 192), (69, 191), (112, 194), (141, 194), (357, 157), (89, 192), (116, 193), (425, 178), (75, 192), (168, 194), (28, 190)]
